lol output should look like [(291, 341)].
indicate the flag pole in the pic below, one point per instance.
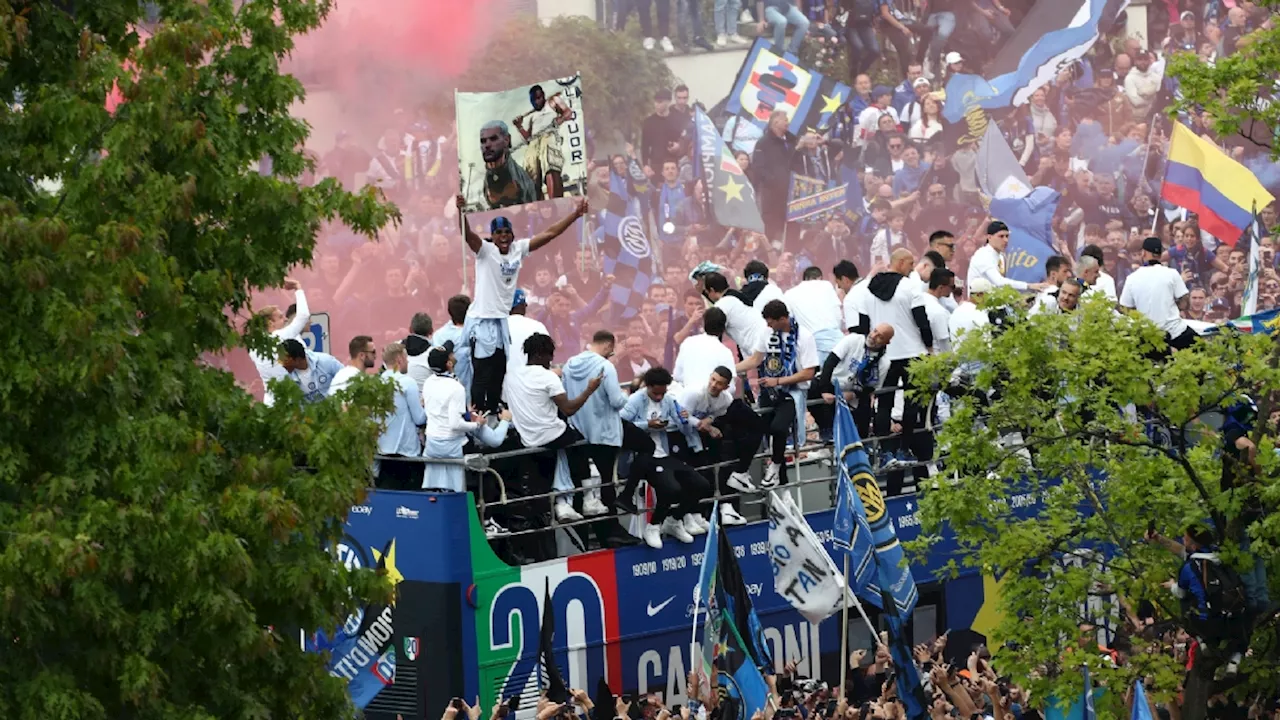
[(844, 633)]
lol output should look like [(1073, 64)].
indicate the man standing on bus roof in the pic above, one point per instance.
[(482, 355)]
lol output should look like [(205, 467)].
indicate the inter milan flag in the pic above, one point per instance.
[(1030, 221), (742, 650), (769, 82), (852, 533), (625, 247), (729, 195), (1050, 38), (555, 687)]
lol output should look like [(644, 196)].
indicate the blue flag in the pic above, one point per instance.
[(625, 247), (1030, 221), (742, 649), (906, 676), (1050, 38), (704, 594), (852, 534), (1141, 710), (1089, 712), (893, 579)]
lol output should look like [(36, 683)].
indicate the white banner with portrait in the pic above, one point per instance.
[(521, 145)]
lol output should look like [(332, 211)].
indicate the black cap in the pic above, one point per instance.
[(438, 356), (1152, 245), (996, 226), (662, 94)]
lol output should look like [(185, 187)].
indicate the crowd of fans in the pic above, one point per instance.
[(957, 678), (1095, 134), (511, 340)]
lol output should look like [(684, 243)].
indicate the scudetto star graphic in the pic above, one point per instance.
[(732, 189), (393, 573)]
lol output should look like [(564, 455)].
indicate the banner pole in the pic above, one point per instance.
[(844, 632)]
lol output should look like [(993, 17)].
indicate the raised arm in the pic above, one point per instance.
[(559, 227), (570, 407), (474, 241), (302, 313)]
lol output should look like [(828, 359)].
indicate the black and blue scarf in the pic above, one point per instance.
[(784, 364)]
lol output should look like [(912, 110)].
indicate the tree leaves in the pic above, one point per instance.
[(1055, 474), (159, 530)]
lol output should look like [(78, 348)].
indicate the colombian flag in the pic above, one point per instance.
[(1219, 190)]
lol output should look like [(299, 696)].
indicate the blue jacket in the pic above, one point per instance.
[(323, 368), (598, 419), (1189, 587), (635, 413)]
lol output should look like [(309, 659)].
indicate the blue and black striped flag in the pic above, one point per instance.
[(625, 247)]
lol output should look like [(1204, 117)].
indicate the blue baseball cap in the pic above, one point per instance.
[(519, 298), (500, 223)]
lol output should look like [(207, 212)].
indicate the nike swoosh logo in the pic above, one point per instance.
[(655, 610)]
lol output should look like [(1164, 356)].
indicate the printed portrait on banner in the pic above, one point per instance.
[(521, 145)]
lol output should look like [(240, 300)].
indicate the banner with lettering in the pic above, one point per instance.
[(769, 82), (812, 200), (803, 572)]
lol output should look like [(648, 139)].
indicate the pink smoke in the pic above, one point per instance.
[(391, 51)]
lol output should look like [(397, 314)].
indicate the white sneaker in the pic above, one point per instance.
[(729, 516), (741, 482), (692, 526), (722, 40), (737, 39), (492, 529), (592, 507), (745, 16), (648, 43), (702, 522), (820, 454), (667, 46), (566, 513), (772, 474), (675, 529), (652, 537)]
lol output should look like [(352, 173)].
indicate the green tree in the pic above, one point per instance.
[(162, 536), (1054, 474), (618, 76), (1233, 89)]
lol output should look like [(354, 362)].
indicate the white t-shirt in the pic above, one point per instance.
[(939, 322), (966, 318), (496, 276), (1106, 284), (897, 312), (744, 325), (342, 378), (815, 305), (1046, 302), (445, 401), (850, 350), (986, 263), (1154, 291), (770, 291), (806, 354), (698, 357), (849, 305), (700, 404), (527, 391), (521, 328)]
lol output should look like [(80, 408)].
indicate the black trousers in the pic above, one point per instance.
[(899, 374), (680, 488), (486, 379), (781, 427), (641, 446), (642, 9), (397, 474), (1184, 340), (741, 431)]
